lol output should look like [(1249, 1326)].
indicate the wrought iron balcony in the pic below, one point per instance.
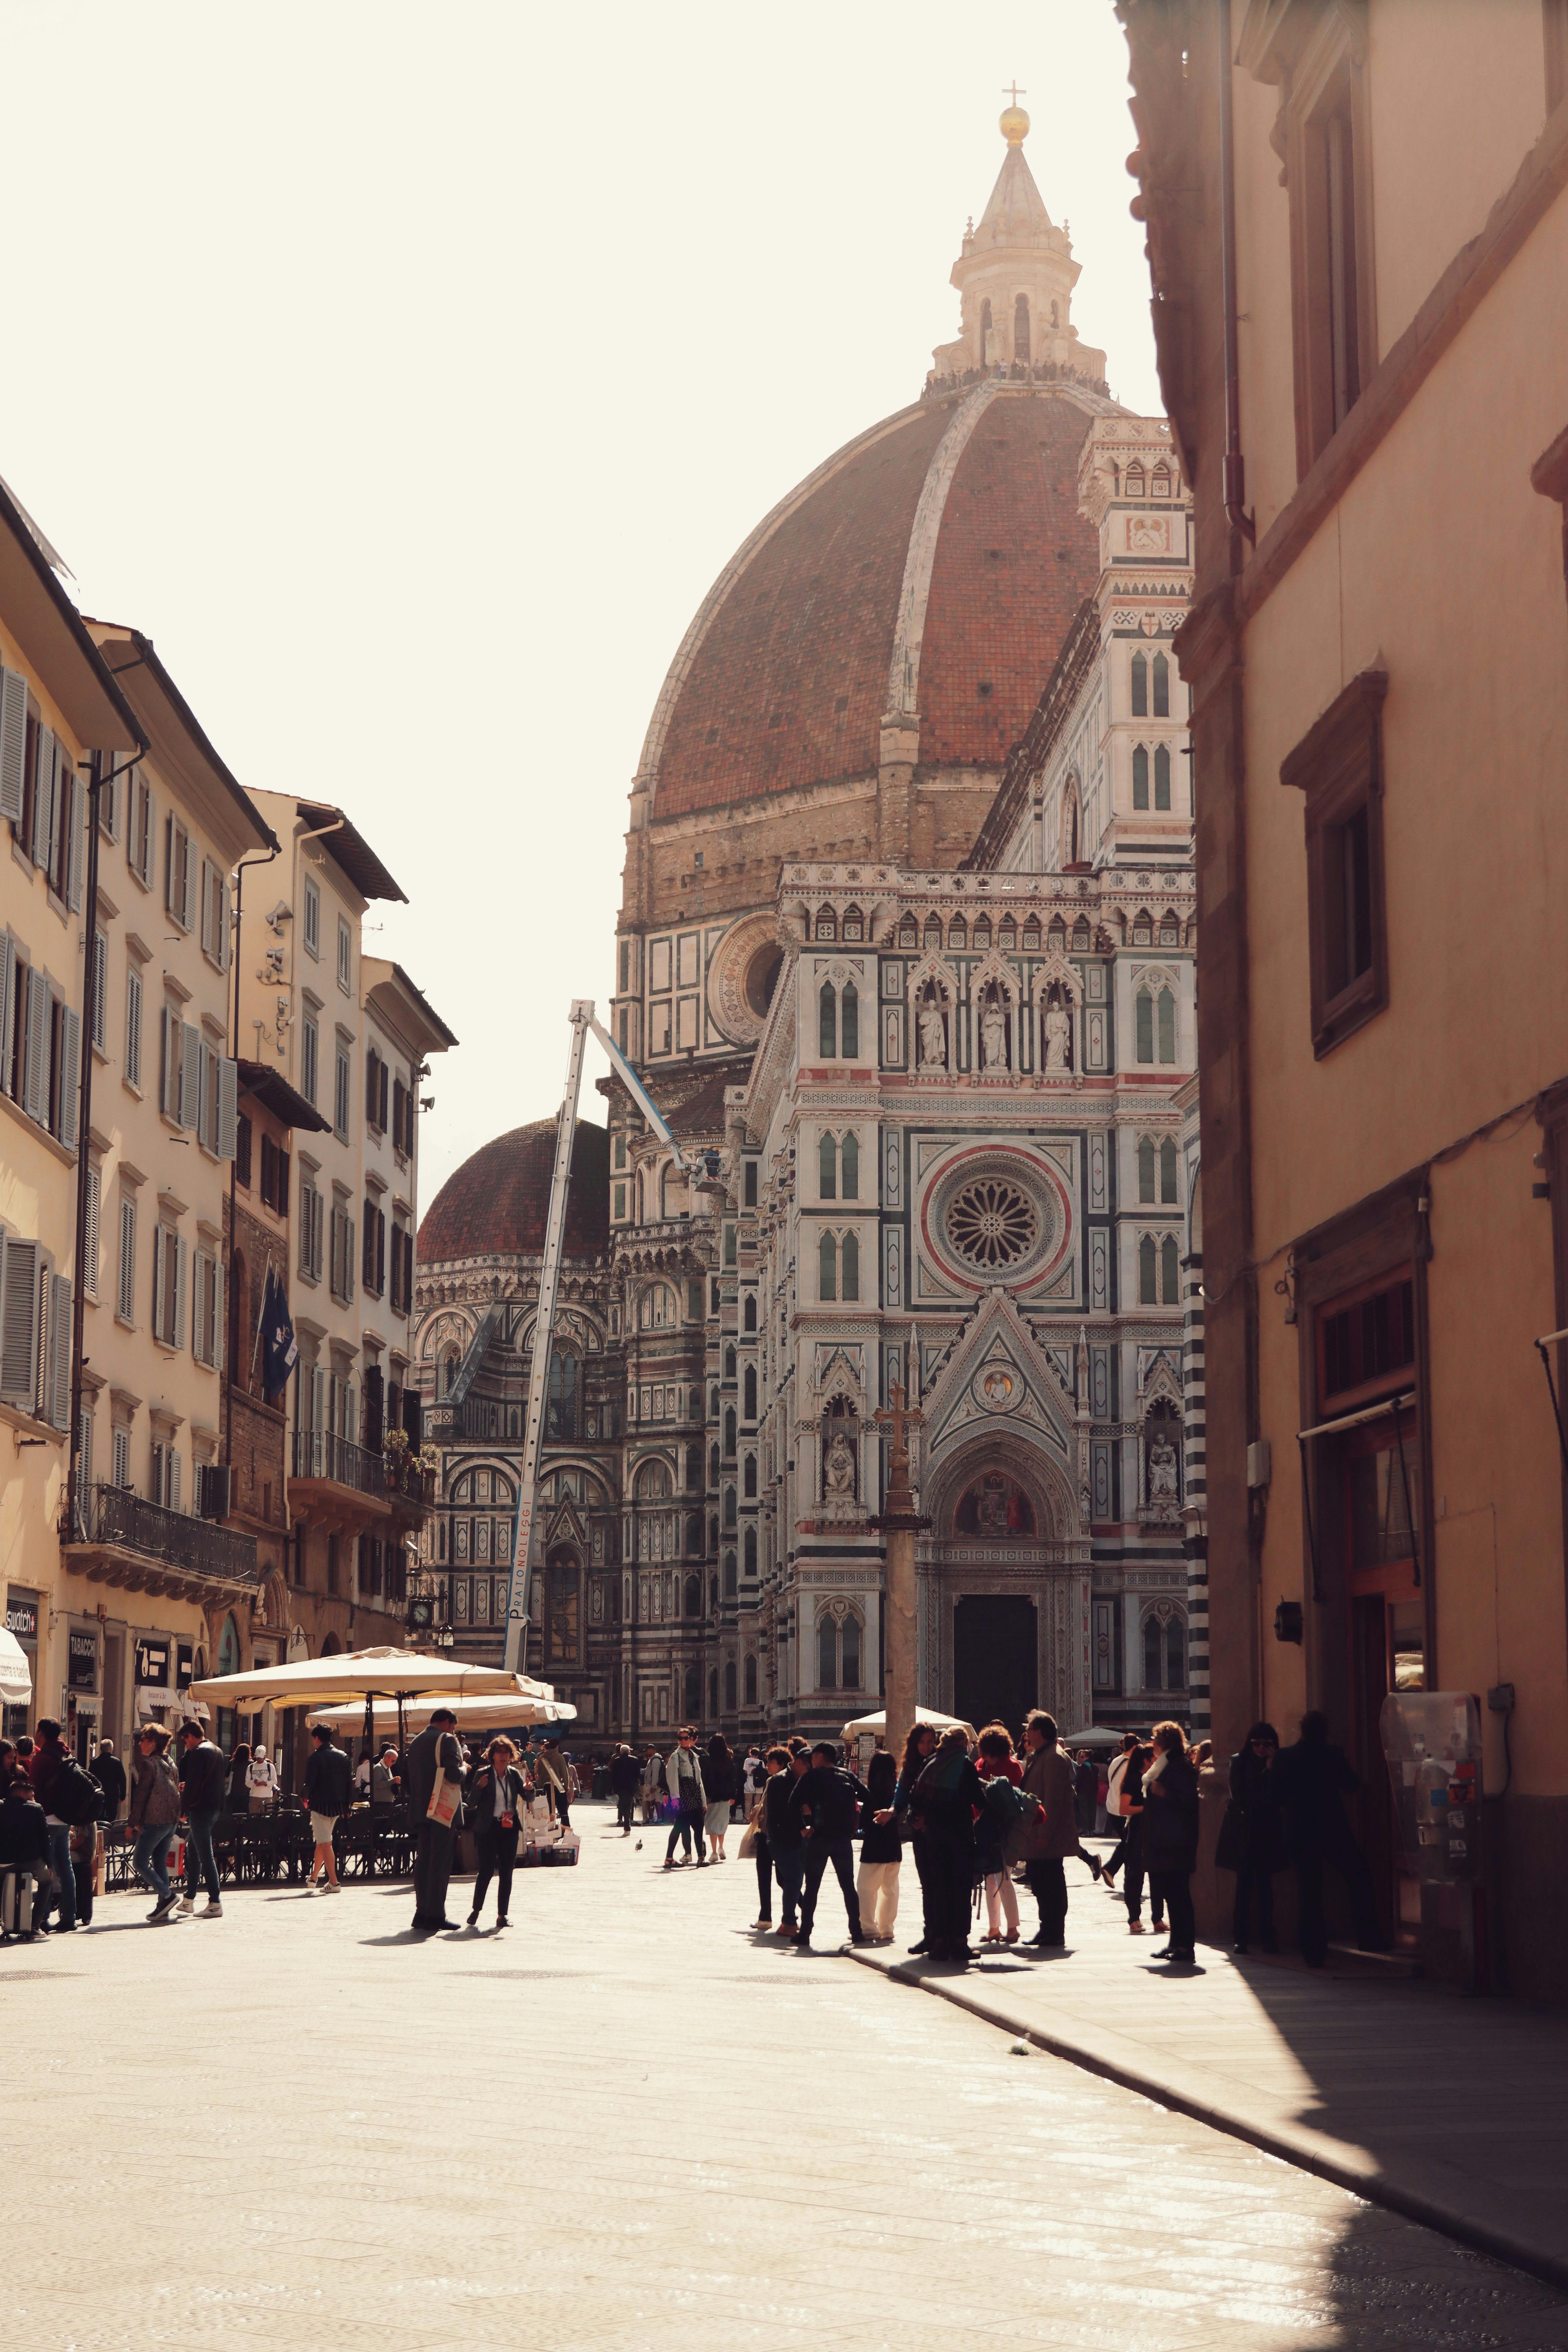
[(322, 1453), (124, 1539)]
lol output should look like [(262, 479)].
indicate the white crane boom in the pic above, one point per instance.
[(522, 1543)]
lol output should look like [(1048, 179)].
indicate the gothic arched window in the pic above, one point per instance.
[(750, 1392), (828, 1022), (749, 1477), (1161, 686), (849, 1654), (729, 1430), (713, 1465), (751, 1682), (749, 1312), (693, 1468), (851, 1160), (1140, 686), (1021, 328), (1148, 1272), (1167, 1010), (729, 1507), (851, 1266), (827, 1655), (561, 1407), (729, 1364), (1168, 1171), (1146, 1170), (1170, 1272), (986, 333), (1176, 1656), (1163, 776), (826, 1268), (1151, 1647), (751, 1551), (826, 1169), (694, 1596), (693, 1690), (1134, 484), (1144, 1026), (1140, 776), (728, 1576), (729, 1685), (849, 1022)]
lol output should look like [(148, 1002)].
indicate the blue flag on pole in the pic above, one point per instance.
[(279, 1348)]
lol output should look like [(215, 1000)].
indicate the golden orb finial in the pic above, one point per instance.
[(1015, 123)]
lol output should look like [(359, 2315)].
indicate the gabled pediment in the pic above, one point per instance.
[(997, 1376)]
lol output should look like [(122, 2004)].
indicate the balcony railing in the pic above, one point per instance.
[(115, 1516), (322, 1453)]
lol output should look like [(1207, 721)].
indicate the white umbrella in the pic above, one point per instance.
[(16, 1682), (872, 1723), (361, 1674), (498, 1713), (1098, 1735)]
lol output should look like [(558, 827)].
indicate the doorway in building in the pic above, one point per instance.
[(1387, 1640), (993, 1669)]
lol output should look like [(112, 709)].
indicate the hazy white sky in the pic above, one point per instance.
[(408, 374)]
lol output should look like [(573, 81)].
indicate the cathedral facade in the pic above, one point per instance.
[(905, 958)]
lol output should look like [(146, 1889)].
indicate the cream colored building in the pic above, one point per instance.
[(59, 710), (1378, 658)]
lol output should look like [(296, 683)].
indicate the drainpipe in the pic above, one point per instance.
[(100, 773), (1235, 463)]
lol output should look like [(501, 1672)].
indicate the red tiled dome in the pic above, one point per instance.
[(496, 1204), (786, 672)]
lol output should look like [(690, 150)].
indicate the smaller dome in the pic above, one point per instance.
[(497, 1203), (1013, 125)]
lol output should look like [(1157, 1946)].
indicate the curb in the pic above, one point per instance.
[(1305, 2150)]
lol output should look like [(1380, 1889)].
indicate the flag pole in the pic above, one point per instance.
[(261, 1316)]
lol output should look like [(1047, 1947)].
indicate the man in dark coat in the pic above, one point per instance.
[(110, 1773), (1314, 1778), (826, 1803), (435, 1750), (625, 1778)]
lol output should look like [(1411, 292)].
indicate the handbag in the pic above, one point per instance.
[(444, 1799), (750, 1837)]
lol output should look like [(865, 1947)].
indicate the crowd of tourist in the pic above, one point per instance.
[(978, 1816)]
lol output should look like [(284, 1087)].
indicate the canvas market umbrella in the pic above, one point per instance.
[(872, 1723), (1097, 1736), (16, 1682), (496, 1713), (356, 1678)]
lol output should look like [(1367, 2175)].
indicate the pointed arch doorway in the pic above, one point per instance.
[(996, 1646)]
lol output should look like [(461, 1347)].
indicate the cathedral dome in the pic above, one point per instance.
[(495, 1204), (924, 580)]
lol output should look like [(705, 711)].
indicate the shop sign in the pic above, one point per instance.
[(22, 1618), (185, 1665), (83, 1661), (152, 1666)]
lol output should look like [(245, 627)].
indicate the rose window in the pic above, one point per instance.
[(992, 1224)]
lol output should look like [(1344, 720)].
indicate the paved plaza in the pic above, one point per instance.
[(627, 2123)]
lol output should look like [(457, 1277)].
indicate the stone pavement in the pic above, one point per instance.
[(1449, 2110), (630, 2126)]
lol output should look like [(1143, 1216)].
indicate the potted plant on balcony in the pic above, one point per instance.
[(395, 1459)]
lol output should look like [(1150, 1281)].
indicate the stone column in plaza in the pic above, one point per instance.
[(900, 1524)]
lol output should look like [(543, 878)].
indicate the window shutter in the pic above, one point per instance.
[(169, 1063), (382, 1076), (69, 1100), (182, 1269), (125, 1297), (60, 1400), (13, 744), (169, 862), (173, 1479), (209, 945), (334, 1253), (74, 843), (219, 1353), (281, 1197), (44, 799), (100, 998), (369, 1090), (19, 1322), (348, 1256), (89, 1230), (206, 1108), (304, 1229), (190, 1073), (133, 1026), (160, 1244), (36, 1081), (367, 1271), (225, 925), (7, 1005), (380, 1251), (227, 1106)]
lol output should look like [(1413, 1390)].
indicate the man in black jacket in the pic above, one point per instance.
[(110, 1773), (1313, 1778), (204, 1778), (329, 1791), (625, 1778), (435, 1750), (825, 1803)]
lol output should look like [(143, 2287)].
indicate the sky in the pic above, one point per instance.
[(408, 374)]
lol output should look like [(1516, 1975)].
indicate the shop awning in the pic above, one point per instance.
[(16, 1680)]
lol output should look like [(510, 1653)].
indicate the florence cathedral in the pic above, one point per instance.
[(905, 957)]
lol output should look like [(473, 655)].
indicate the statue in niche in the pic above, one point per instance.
[(934, 1038), (839, 1469), (1058, 1034), (1162, 1467), (994, 1037)]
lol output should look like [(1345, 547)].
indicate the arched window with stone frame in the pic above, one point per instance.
[(827, 1653), (728, 1363), (1135, 483), (1139, 681), (749, 1550), (1021, 328), (908, 932), (750, 1679), (658, 1310), (848, 1023), (1165, 1011), (749, 1312), (1144, 1026), (1161, 682), (693, 1693), (850, 1165), (987, 332), (1148, 1272), (749, 1394), (826, 924), (1168, 1191), (849, 1266), (828, 1022), (1146, 1169), (729, 1432), (854, 924), (1140, 775), (1170, 1272), (749, 1477), (1163, 777), (729, 1686), (826, 1268), (826, 1168), (729, 1584)]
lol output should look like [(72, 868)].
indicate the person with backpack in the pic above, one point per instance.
[(70, 1798), (825, 1803), (154, 1810), (204, 1783)]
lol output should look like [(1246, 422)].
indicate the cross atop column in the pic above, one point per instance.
[(1013, 93), (895, 1419)]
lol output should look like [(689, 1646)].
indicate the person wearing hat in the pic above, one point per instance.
[(434, 1751)]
